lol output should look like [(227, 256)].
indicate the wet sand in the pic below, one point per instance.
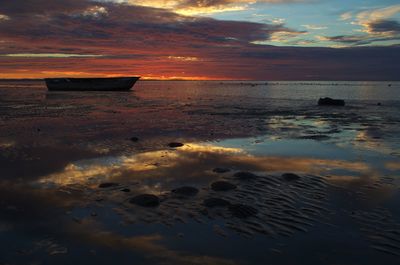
[(200, 173)]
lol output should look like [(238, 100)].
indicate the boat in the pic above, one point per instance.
[(91, 84)]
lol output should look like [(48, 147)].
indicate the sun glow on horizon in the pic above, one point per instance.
[(54, 74)]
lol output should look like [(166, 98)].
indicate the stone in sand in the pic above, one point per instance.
[(243, 175), (125, 190), (290, 177), (221, 170), (108, 185), (222, 186), (134, 139), (145, 200), (330, 102), (242, 210), (175, 144), (316, 137), (186, 191), (215, 202)]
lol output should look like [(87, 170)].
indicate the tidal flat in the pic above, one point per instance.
[(200, 173)]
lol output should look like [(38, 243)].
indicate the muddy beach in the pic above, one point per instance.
[(200, 173)]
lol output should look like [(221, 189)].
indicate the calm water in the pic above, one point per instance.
[(69, 171)]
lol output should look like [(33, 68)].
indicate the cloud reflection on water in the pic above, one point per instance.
[(194, 163)]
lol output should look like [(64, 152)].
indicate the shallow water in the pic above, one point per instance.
[(58, 147)]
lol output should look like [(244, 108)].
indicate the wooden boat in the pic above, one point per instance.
[(91, 84)]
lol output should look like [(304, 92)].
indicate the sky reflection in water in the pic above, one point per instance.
[(53, 210)]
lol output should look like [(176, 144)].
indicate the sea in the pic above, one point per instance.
[(200, 172)]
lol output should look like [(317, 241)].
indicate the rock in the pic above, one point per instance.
[(134, 139), (175, 145), (108, 185), (242, 210), (330, 102), (125, 190), (145, 200), (222, 186), (317, 137), (243, 175), (221, 170), (379, 104), (186, 191), (290, 177), (215, 202)]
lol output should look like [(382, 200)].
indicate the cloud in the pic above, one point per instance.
[(155, 42), (110, 24), (49, 55), (95, 12), (19, 7), (196, 7), (346, 16), (384, 26), (376, 24), (4, 17), (314, 27), (369, 16), (360, 39)]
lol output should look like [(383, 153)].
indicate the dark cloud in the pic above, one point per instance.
[(358, 40), (18, 7), (390, 26), (120, 26)]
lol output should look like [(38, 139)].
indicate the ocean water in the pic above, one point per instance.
[(69, 170)]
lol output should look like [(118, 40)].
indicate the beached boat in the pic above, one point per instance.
[(91, 84)]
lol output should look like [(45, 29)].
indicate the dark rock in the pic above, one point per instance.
[(126, 190), (244, 175), (134, 139), (379, 104), (215, 202), (222, 186), (242, 210), (186, 191), (221, 170), (290, 177), (330, 102), (145, 200), (317, 137), (77, 220), (174, 145), (108, 185)]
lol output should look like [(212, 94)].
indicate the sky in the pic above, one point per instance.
[(201, 39)]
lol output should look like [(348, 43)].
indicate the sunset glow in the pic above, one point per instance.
[(176, 39)]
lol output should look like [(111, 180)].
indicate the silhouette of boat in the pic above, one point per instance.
[(91, 84)]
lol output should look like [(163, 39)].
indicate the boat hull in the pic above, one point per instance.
[(91, 84)]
